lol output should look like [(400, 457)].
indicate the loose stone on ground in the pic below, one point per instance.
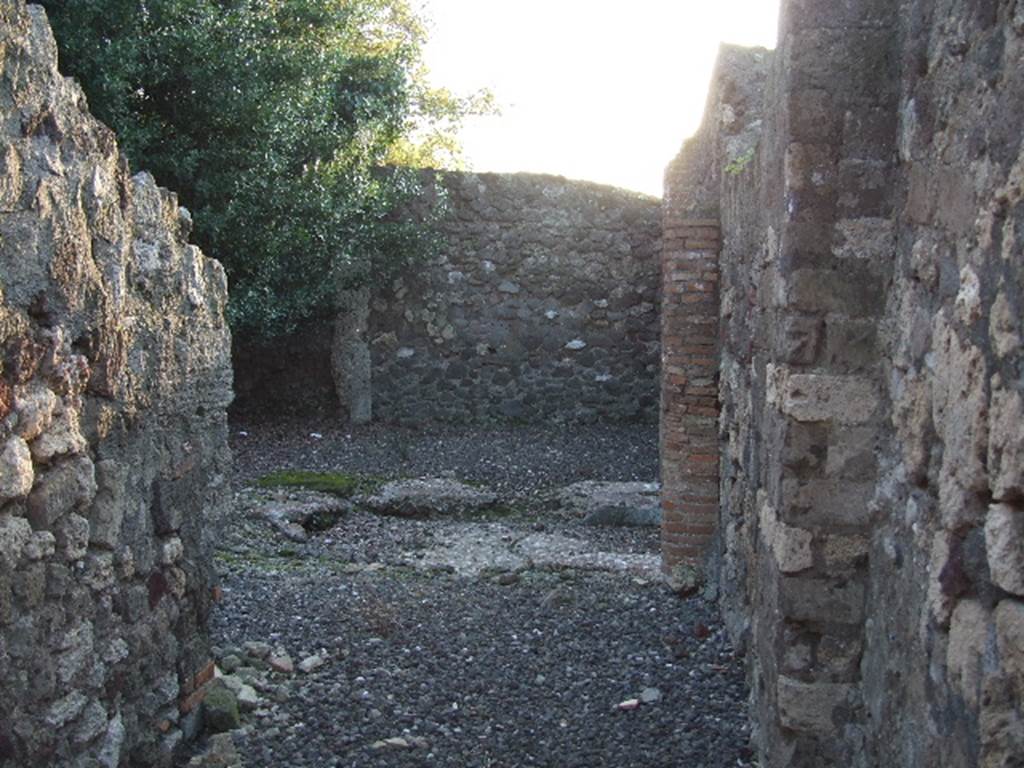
[(473, 639)]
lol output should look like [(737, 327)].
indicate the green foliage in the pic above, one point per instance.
[(270, 118), (336, 483), (739, 164)]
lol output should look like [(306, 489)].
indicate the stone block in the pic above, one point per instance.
[(844, 552), (837, 399), (809, 166), (805, 447), (1009, 617), (65, 710), (960, 414), (1006, 443), (16, 472), (866, 188), (171, 550), (822, 600), (34, 403), (826, 503), (851, 345), (1000, 724), (852, 289), (67, 486), (1004, 326), (15, 534), (220, 709), (63, 438), (106, 513), (791, 546), (91, 723), (800, 340), (72, 534), (814, 116), (852, 453), (1004, 543), (969, 630), (812, 707), (41, 546), (29, 585), (172, 500), (840, 656)]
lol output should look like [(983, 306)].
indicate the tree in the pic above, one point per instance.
[(271, 119)]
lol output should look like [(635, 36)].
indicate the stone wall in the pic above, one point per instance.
[(690, 305), (543, 303), (870, 544), (114, 380)]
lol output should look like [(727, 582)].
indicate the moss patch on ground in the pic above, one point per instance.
[(336, 483)]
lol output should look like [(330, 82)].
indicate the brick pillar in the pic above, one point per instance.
[(689, 388)]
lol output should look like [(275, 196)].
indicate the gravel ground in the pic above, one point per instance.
[(521, 460), (504, 670)]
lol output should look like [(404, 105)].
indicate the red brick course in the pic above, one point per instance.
[(689, 391)]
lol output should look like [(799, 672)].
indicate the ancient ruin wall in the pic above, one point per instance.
[(543, 303), (113, 387), (690, 305), (870, 546), (946, 587)]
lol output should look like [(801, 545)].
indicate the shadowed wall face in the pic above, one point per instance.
[(543, 304), (114, 382), (869, 543)]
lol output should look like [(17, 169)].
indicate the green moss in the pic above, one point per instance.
[(739, 164), (336, 483)]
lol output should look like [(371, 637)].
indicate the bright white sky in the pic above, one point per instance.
[(603, 90)]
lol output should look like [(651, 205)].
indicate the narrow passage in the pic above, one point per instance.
[(499, 627)]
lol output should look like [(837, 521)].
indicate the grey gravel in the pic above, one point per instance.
[(426, 667), (517, 460)]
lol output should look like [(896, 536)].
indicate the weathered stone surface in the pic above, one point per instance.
[(64, 437), (15, 534), (791, 545), (1006, 443), (1004, 543), (16, 473), (67, 486), (351, 367), (113, 351), (34, 405), (843, 399), (430, 497), (309, 511), (968, 638), (1010, 642), (220, 709), (607, 503), (868, 184), (811, 706), (490, 548)]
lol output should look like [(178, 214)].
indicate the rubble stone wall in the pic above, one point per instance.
[(114, 382), (543, 303), (869, 552)]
